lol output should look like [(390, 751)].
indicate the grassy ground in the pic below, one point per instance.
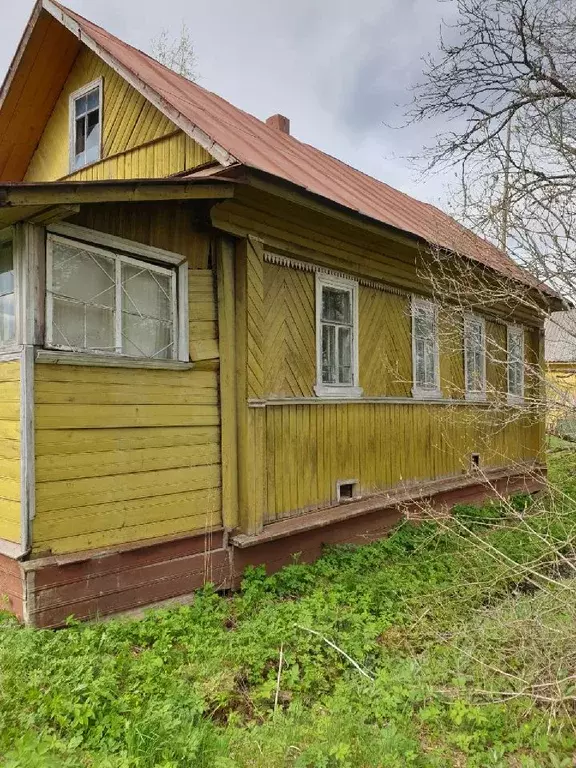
[(455, 646)]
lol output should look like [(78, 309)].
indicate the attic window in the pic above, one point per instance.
[(86, 125)]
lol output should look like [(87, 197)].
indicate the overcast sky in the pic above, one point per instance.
[(337, 68)]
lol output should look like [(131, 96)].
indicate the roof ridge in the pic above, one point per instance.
[(233, 135)]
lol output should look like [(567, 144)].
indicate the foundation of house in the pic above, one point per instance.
[(45, 592)]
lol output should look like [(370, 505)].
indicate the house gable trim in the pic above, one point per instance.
[(218, 152)]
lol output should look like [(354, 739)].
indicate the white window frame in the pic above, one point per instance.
[(128, 252), (98, 83), (513, 397), (326, 280), (469, 318), (419, 392)]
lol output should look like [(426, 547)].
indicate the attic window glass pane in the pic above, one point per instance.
[(100, 301), (7, 311), (87, 129)]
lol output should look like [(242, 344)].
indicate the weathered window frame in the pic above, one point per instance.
[(470, 318), (98, 83), (9, 235), (124, 251), (420, 391), (515, 330), (334, 390)]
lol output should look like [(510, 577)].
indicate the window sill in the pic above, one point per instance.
[(55, 357), (476, 397), (329, 390), (426, 394)]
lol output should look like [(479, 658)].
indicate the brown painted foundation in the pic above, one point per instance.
[(88, 585)]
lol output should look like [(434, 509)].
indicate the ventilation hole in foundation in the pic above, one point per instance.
[(346, 490)]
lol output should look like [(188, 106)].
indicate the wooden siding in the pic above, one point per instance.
[(138, 141), (10, 451), (288, 228), (122, 454), (381, 445)]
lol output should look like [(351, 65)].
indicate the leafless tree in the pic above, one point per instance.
[(176, 53), (505, 81)]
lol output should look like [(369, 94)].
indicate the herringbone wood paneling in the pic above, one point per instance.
[(384, 343), (289, 332)]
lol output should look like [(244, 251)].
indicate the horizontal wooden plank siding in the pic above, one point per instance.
[(124, 455), (138, 141), (310, 447), (10, 451)]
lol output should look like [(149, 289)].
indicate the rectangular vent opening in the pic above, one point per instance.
[(346, 490), (475, 462)]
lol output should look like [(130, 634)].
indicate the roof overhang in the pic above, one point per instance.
[(20, 202)]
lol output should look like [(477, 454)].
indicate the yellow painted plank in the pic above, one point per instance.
[(83, 492), (65, 441), (90, 416), (107, 517), (81, 465)]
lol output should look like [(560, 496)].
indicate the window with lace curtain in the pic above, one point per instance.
[(106, 302), (515, 344)]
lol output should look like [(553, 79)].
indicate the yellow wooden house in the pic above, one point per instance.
[(216, 345)]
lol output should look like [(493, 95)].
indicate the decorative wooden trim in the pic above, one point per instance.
[(55, 357), (280, 401), (216, 150), (183, 314), (94, 237), (511, 328), (306, 266), (229, 416)]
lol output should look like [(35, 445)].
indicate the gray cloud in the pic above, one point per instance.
[(337, 69)]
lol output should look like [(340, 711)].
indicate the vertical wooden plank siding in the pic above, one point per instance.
[(10, 470), (250, 384), (383, 445), (137, 140), (123, 454), (227, 344)]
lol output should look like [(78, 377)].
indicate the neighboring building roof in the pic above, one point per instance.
[(560, 337), (233, 136)]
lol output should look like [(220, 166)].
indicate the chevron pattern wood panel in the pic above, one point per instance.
[(384, 342), (254, 318), (289, 332)]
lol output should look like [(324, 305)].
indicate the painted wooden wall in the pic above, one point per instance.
[(122, 454), (137, 141), (292, 453), (381, 445), (10, 451)]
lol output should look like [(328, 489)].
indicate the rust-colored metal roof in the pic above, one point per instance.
[(238, 137)]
